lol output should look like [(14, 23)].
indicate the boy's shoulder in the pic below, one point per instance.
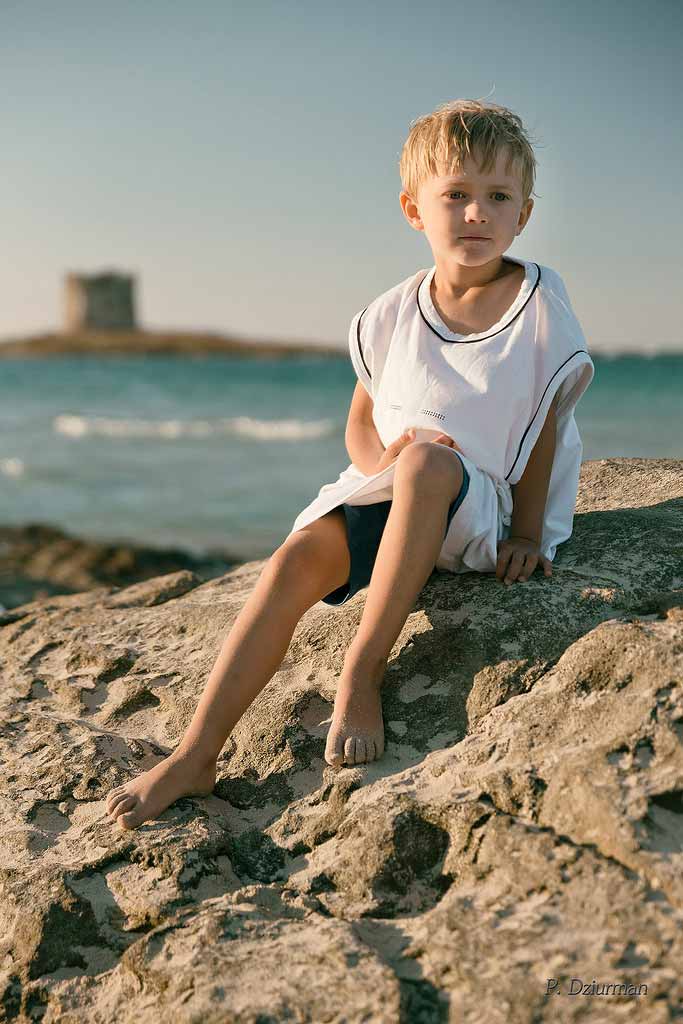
[(560, 327), (554, 293), (390, 300), (373, 326), (552, 284)]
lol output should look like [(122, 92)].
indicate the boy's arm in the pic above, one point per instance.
[(362, 440), (530, 493)]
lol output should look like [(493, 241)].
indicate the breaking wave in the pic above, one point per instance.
[(169, 430), (11, 467)]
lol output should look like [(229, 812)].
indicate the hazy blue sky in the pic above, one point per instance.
[(243, 158)]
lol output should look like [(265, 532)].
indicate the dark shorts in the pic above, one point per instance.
[(364, 528)]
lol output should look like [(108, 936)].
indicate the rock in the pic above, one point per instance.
[(524, 827), (39, 561)]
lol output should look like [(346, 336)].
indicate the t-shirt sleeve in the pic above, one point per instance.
[(575, 372), (359, 350), (562, 367), (371, 333)]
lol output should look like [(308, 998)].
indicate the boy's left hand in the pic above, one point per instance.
[(523, 556)]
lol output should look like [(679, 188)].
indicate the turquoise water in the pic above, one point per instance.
[(216, 452)]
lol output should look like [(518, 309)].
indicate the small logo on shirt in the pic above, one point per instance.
[(430, 412)]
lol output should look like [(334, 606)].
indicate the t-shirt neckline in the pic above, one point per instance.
[(434, 321)]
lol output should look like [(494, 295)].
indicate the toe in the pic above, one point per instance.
[(361, 750), (130, 820), (114, 801), (126, 803), (334, 751), (112, 795), (350, 750), (371, 750)]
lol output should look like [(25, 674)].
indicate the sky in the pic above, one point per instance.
[(242, 159)]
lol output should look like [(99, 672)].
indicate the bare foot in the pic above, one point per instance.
[(148, 795), (356, 734)]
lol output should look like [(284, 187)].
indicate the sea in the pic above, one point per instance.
[(215, 452)]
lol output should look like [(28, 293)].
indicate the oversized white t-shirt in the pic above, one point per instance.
[(490, 392)]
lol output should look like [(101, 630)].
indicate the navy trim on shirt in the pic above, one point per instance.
[(360, 350), (450, 341), (521, 443)]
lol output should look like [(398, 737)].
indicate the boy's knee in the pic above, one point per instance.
[(433, 462)]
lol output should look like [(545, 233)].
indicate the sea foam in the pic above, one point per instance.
[(71, 425), (11, 467)]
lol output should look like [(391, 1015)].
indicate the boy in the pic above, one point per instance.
[(465, 452)]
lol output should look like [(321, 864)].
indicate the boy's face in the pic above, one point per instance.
[(451, 206)]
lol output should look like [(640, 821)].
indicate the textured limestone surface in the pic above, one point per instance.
[(525, 823)]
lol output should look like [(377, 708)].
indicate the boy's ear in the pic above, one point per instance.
[(410, 210), (524, 215)]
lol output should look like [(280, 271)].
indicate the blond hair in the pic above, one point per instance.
[(438, 143)]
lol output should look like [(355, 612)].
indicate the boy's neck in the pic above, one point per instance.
[(452, 280)]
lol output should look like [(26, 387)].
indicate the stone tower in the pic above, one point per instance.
[(101, 301)]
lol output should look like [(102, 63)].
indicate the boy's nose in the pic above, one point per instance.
[(474, 211)]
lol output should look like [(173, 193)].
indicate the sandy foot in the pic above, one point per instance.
[(357, 731), (148, 795)]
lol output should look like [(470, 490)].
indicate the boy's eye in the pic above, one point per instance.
[(493, 193)]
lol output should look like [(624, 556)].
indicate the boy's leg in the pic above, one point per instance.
[(427, 479), (308, 565)]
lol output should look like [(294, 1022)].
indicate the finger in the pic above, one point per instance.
[(527, 569), (501, 564), (515, 565), (504, 555), (401, 441)]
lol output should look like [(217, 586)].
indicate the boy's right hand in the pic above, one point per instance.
[(391, 452)]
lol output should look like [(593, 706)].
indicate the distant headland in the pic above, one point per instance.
[(100, 319), (141, 342)]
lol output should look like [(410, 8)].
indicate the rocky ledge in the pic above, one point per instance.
[(39, 561), (524, 828)]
